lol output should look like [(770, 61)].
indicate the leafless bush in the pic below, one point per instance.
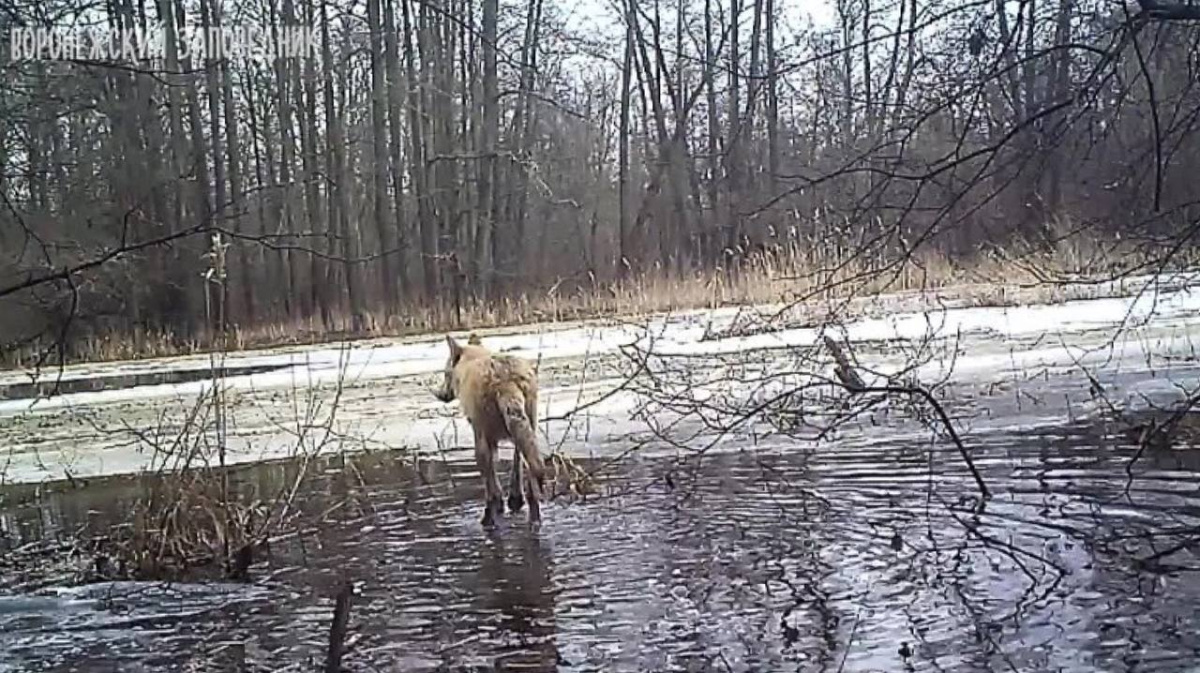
[(791, 387), (190, 514), (695, 401)]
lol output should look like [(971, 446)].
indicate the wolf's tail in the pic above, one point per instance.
[(512, 408)]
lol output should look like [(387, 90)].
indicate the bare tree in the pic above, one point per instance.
[(457, 148), (379, 126)]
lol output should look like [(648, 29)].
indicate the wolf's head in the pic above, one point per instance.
[(447, 392)]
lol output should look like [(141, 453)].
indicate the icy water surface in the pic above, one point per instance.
[(867, 552), (845, 557)]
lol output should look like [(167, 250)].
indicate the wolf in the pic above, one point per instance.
[(498, 395)]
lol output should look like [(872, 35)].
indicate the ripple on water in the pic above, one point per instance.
[(768, 560)]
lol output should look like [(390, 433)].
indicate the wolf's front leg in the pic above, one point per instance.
[(485, 459)]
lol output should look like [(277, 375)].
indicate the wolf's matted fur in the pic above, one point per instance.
[(498, 395)]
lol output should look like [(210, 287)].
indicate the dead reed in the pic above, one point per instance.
[(809, 273)]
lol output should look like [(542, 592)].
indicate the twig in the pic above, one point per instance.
[(850, 640), (851, 381), (625, 384)]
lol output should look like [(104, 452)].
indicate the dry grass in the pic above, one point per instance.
[(809, 273), (192, 515)]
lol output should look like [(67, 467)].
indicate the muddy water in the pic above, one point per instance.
[(843, 558)]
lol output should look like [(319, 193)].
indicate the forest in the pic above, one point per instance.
[(454, 163), (936, 410)]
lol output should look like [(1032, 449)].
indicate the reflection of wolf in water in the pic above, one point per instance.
[(498, 395)]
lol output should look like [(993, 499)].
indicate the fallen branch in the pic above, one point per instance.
[(854, 384)]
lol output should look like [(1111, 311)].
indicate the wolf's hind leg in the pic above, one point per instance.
[(485, 459), (526, 443), (533, 493), (512, 407), (515, 500)]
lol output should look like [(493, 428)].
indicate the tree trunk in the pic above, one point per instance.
[(733, 158), (218, 288), (260, 292), (1031, 61), (910, 52), (333, 201), (296, 300), (715, 236), (247, 276), (772, 103), (416, 161), (203, 194), (868, 100), (1061, 91), (623, 250), (395, 142), (320, 297), (380, 201), (488, 133), (177, 289), (351, 249), (518, 181), (438, 59)]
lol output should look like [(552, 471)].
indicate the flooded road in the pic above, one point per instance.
[(870, 557)]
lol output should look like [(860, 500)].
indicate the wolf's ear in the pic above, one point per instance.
[(474, 340), (455, 347)]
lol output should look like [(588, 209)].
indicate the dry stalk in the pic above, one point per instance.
[(568, 477)]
